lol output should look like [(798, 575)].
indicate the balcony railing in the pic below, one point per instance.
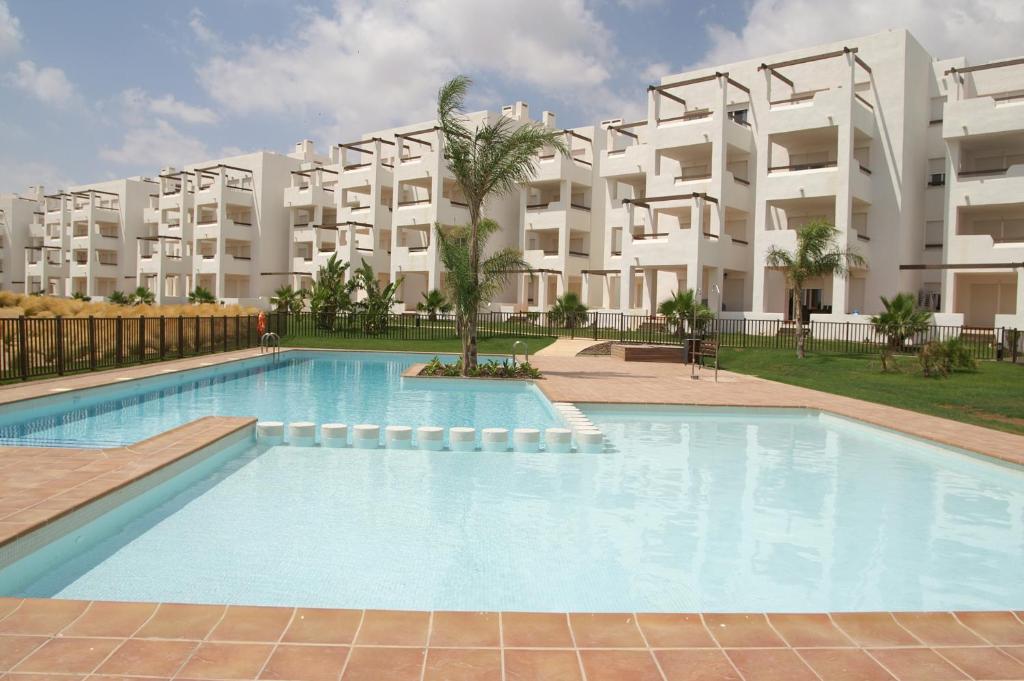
[(815, 165), (983, 171), (413, 203), (649, 235)]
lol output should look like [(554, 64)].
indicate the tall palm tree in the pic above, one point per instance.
[(432, 303), (568, 310), (200, 296), (287, 299), (900, 320), (817, 255), (489, 161), (684, 311), (469, 287)]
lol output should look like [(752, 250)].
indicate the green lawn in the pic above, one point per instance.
[(992, 396), (486, 346)]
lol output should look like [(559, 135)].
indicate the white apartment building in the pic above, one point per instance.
[(20, 220), (219, 225), (919, 163)]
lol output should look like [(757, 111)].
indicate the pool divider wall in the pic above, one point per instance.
[(41, 550), (578, 428)]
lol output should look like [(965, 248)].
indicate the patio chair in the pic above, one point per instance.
[(708, 352)]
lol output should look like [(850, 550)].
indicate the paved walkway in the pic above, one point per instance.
[(40, 639), (566, 347), (611, 380)]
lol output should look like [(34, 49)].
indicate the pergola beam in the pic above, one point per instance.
[(985, 67)]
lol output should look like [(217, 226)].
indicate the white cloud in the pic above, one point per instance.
[(200, 30), (656, 71), (979, 29), (364, 66), (154, 145), (10, 30), (135, 103), (170, 107), (47, 83), (16, 175)]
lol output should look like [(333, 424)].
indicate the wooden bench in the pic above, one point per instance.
[(648, 353)]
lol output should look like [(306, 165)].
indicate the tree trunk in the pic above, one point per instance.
[(798, 307), (469, 343)]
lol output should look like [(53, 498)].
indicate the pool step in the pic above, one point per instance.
[(578, 429)]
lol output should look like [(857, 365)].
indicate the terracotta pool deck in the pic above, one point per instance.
[(41, 639), (70, 640)]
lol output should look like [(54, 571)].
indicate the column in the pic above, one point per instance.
[(718, 160), (1020, 294), (651, 284), (542, 291), (585, 288), (844, 197), (716, 277), (626, 286)]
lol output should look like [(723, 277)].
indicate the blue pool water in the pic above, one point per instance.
[(322, 387), (691, 509)]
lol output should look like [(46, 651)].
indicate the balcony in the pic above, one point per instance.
[(820, 108)]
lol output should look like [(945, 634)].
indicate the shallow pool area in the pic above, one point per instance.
[(322, 387), (688, 510)]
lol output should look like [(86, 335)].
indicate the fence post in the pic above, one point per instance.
[(181, 336), (58, 333), (92, 343), (23, 346), (163, 340), (225, 333), (238, 332), (622, 327), (195, 336), (118, 340), (142, 339)]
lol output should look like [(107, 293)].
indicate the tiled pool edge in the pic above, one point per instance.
[(151, 460), (238, 642)]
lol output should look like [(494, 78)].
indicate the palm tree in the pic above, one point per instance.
[(142, 296), (287, 299), (376, 305), (331, 293), (900, 320), (201, 295), (118, 298), (470, 287), (489, 161), (816, 255), (684, 311), (568, 310), (78, 295), (432, 303)]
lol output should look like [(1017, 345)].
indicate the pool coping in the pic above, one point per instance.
[(46, 496), (168, 640)]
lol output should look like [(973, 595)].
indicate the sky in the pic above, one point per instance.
[(91, 91)]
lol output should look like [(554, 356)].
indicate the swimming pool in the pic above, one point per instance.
[(691, 509), (323, 387)]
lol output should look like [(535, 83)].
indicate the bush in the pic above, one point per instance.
[(940, 358), (489, 369), (17, 305)]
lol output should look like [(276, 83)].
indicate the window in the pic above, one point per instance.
[(934, 230), (739, 116), (936, 172), (935, 110)]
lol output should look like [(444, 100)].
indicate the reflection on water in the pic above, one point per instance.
[(707, 510)]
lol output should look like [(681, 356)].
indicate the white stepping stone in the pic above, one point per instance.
[(462, 439), (366, 436), (301, 433), (270, 432), (590, 441), (430, 438), (558, 440), (334, 435), (526, 439), (398, 437), (494, 439)]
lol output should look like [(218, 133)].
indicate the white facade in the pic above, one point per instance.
[(918, 163)]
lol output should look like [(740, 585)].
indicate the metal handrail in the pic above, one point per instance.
[(526, 351), (270, 342)]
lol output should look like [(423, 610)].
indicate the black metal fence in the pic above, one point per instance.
[(32, 347), (828, 337)]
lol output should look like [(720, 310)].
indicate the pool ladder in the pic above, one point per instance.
[(526, 351), (270, 342)]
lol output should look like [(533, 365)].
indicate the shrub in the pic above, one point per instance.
[(17, 305), (489, 369), (940, 358)]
